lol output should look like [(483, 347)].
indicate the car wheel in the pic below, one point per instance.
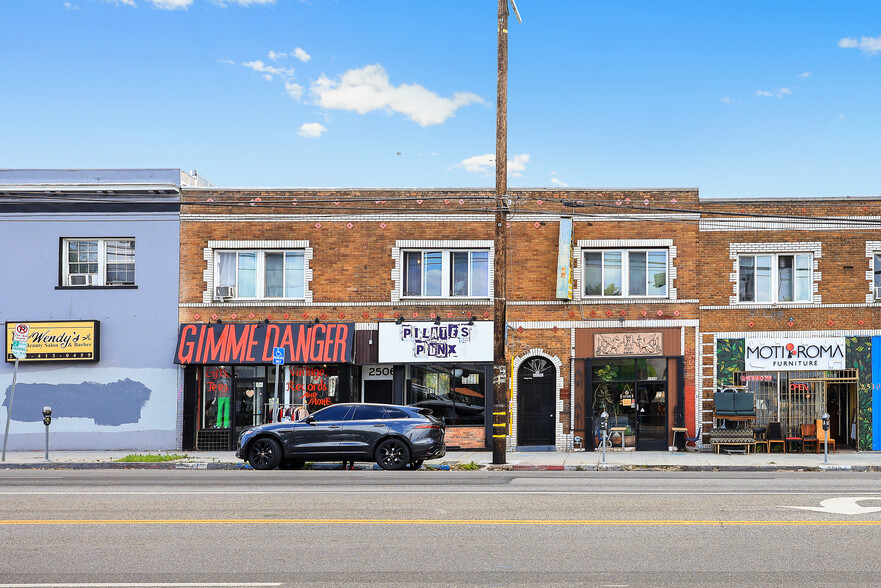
[(415, 465), (392, 454), (295, 464), (264, 454)]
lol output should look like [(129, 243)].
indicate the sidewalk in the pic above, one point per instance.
[(575, 461)]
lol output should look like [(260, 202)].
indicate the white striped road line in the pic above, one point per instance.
[(142, 585), (349, 491)]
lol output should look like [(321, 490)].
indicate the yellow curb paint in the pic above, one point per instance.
[(538, 522)]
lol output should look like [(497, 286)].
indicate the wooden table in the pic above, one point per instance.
[(684, 432), (620, 431)]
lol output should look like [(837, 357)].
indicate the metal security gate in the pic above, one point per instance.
[(536, 403)]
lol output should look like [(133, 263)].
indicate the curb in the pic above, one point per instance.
[(442, 467)]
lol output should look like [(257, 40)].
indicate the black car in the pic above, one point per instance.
[(395, 437)]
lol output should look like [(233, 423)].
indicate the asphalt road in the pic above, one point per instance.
[(352, 528)]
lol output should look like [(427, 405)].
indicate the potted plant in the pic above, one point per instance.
[(629, 437), (602, 394)]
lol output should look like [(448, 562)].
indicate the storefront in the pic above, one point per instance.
[(231, 383), (797, 379), (446, 367), (636, 377)]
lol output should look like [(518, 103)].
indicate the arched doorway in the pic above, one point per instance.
[(536, 403)]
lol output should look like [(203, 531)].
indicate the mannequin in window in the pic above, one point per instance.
[(223, 398)]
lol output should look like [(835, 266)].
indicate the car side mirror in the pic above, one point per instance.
[(309, 419)]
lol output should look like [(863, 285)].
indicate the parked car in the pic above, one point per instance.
[(395, 437)]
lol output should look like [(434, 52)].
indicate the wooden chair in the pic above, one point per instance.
[(808, 436), (775, 435), (822, 436)]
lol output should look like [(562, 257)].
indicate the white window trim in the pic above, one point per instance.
[(775, 277), (735, 250), (102, 262), (873, 248), (629, 245), (209, 254), (466, 245)]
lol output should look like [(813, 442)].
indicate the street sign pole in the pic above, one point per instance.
[(9, 409)]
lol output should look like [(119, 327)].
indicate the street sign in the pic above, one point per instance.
[(19, 349), (21, 332), (278, 355)]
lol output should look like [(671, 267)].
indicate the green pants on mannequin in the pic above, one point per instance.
[(223, 413)]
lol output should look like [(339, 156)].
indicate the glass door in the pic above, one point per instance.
[(247, 396), (651, 416)]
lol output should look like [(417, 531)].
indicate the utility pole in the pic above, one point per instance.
[(500, 378)]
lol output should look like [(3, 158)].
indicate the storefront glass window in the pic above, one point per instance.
[(318, 385), (455, 394), (216, 397)]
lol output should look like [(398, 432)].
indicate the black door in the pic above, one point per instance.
[(536, 403), (378, 391)]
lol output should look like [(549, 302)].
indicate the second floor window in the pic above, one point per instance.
[(261, 274), (99, 262), (775, 278), (446, 273), (625, 272), (877, 272)]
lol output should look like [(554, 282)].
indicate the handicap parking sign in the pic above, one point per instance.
[(278, 355)]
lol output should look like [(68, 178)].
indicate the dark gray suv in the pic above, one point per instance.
[(395, 437)]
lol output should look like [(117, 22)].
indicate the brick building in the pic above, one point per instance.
[(668, 294)]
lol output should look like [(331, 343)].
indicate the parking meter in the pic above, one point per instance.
[(47, 418), (825, 418), (604, 427)]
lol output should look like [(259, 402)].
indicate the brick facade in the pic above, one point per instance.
[(353, 235)]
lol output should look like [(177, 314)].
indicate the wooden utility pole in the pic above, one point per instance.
[(500, 378)]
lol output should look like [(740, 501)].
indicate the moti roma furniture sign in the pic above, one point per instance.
[(57, 341), (252, 343)]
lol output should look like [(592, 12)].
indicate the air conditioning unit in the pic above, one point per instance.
[(81, 279), (877, 293), (223, 292)]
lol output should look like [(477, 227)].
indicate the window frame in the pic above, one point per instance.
[(447, 273), (260, 271), (876, 273), (102, 262), (625, 272), (775, 277)]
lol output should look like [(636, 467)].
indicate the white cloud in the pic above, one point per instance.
[(367, 89), (729, 100), (268, 70), (171, 4), (806, 74), (485, 164), (778, 93), (276, 56), (123, 2), (294, 90), (70, 6), (311, 130), (301, 55), (559, 182), (868, 45), (841, 117)]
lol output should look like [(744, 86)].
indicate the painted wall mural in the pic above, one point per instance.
[(859, 357), (113, 404), (730, 358)]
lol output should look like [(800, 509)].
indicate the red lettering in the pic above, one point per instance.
[(271, 335), (328, 343), (287, 340), (186, 344), (201, 340), (317, 343), (214, 349), (252, 342), (236, 349), (342, 335), (303, 343)]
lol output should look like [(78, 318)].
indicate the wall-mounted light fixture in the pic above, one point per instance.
[(317, 320), (470, 321), (437, 320), (399, 320)]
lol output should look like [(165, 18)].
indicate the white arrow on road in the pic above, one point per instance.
[(843, 505)]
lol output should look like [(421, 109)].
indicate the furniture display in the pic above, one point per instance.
[(759, 434), (775, 435), (823, 436), (677, 430), (742, 438), (808, 436), (693, 439), (620, 431)]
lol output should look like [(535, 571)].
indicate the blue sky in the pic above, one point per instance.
[(737, 98)]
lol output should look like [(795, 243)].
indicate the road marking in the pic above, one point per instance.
[(415, 490), (139, 584), (843, 505), (490, 522)]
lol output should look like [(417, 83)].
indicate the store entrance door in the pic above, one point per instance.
[(651, 416), (536, 404), (247, 396)]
